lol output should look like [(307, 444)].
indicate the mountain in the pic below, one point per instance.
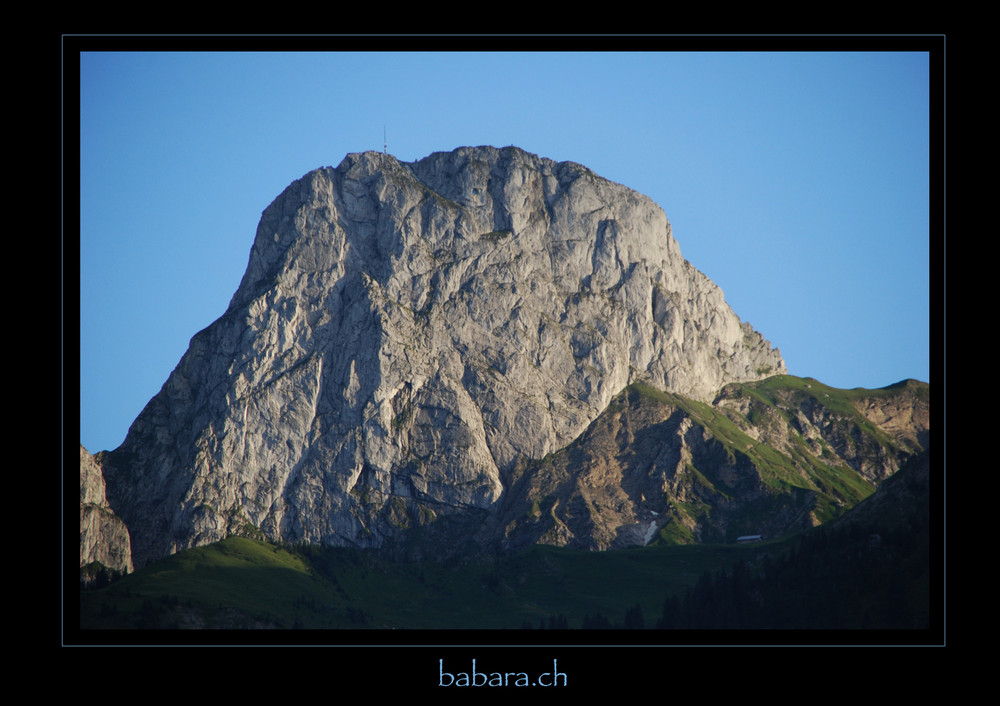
[(104, 538), (870, 568), (486, 349), (768, 458)]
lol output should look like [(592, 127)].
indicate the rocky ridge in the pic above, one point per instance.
[(405, 337), (767, 458), (104, 538)]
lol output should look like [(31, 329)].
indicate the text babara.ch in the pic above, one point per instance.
[(474, 677)]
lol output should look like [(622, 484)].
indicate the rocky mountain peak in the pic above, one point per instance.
[(404, 335)]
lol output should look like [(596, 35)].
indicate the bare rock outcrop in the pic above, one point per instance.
[(104, 538), (404, 335)]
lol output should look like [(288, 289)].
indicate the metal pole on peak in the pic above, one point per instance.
[(385, 143)]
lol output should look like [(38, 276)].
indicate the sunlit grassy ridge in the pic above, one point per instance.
[(836, 485), (782, 391), (191, 588)]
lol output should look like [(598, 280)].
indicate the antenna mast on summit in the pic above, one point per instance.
[(385, 143)]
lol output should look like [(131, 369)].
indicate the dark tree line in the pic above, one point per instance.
[(633, 620), (849, 577)]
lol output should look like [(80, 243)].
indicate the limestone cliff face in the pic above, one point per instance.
[(104, 537), (406, 334)]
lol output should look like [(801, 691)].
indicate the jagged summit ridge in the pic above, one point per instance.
[(403, 335)]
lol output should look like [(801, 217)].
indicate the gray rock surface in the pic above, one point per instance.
[(766, 458), (104, 538), (404, 335)]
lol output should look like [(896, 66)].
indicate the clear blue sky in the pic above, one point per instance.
[(798, 182)]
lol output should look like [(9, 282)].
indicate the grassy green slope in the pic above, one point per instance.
[(836, 486), (236, 583), (244, 583)]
